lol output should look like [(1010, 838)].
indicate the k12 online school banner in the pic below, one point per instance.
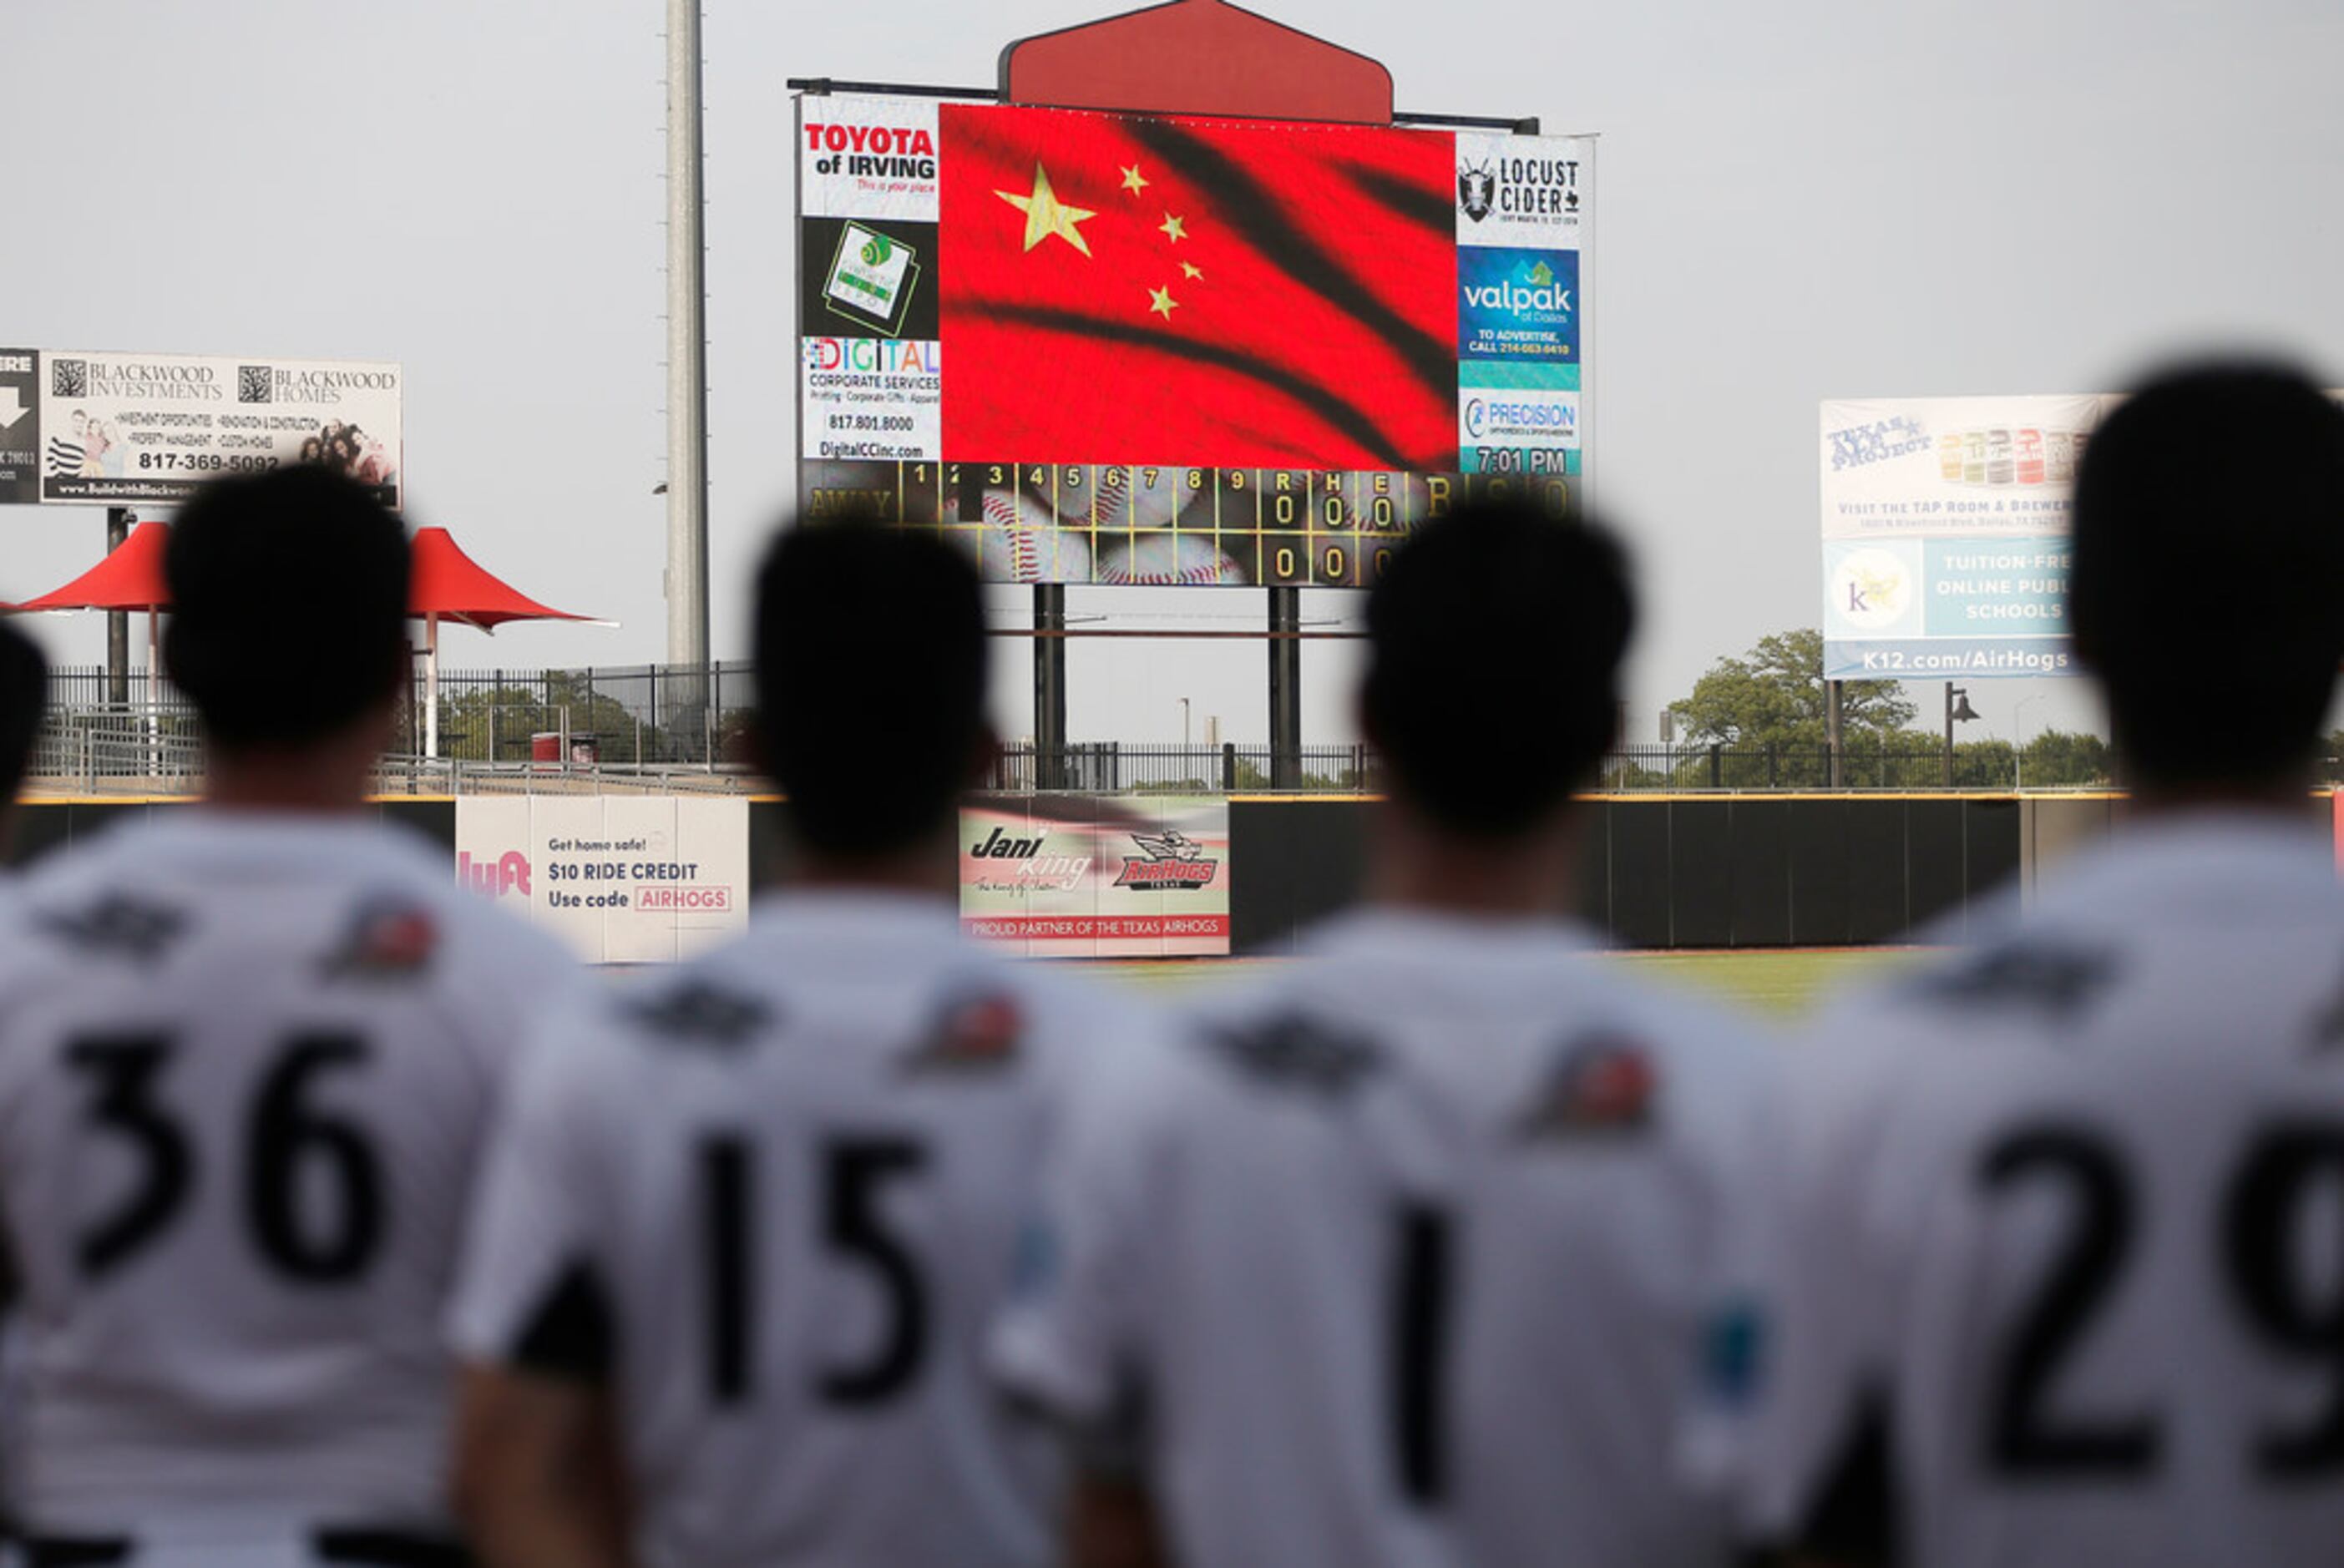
[(1097, 876), (1944, 534), (623, 879)]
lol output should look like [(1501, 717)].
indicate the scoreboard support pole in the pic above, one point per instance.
[(1050, 686), (1284, 688), (118, 520)]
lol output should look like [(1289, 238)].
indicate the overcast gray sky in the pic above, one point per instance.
[(1808, 199)]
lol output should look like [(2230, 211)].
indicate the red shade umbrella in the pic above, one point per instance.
[(129, 578), (449, 586)]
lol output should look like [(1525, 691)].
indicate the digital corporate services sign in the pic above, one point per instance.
[(1124, 348), (1944, 534)]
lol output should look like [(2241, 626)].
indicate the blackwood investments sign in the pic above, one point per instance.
[(88, 427)]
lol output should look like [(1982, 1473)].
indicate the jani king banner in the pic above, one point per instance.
[(79, 426), (624, 879), (1097, 876), (1945, 524)]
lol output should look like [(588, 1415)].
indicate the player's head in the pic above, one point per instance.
[(871, 679), (288, 599), (2209, 551), (1494, 645), (24, 695)]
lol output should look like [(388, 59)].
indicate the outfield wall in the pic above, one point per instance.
[(1685, 871), (1696, 871)]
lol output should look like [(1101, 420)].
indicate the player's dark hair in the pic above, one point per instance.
[(871, 670), (1494, 645), (24, 695), (288, 605), (2206, 592)]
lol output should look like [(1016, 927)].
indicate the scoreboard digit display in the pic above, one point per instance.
[(1115, 349)]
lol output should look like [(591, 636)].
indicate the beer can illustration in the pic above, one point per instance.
[(1974, 457), (2030, 457), (1949, 458), (2060, 461), (1998, 467)]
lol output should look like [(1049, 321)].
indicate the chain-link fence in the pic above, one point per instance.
[(662, 726)]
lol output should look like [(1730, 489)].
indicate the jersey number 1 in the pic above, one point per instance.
[(1418, 1348)]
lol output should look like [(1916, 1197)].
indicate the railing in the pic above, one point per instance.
[(1110, 767), (661, 726)]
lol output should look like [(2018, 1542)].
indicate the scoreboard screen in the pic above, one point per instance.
[(1116, 348)]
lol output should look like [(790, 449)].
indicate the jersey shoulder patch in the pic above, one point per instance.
[(975, 1034), (389, 937), (117, 926), (2043, 975), (1601, 1082), (696, 1011), (1294, 1051)]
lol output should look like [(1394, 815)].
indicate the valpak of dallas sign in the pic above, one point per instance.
[(110, 430), (623, 879), (1097, 876), (1945, 524)]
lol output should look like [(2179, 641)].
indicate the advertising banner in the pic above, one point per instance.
[(1097, 876), (20, 427), (81, 427), (623, 879), (1945, 524), (1165, 350)]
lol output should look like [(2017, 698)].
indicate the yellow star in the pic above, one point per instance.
[(1191, 269), (1045, 215), (1161, 302), (1174, 227), (1134, 181)]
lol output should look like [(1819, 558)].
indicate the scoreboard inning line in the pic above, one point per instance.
[(1260, 526)]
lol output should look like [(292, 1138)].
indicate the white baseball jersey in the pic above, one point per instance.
[(246, 1060), (1442, 1247), (771, 1203), (2069, 1222)]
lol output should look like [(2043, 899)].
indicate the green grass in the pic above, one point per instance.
[(1782, 984), (1777, 982)]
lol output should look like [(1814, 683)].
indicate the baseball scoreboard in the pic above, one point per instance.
[(1116, 348)]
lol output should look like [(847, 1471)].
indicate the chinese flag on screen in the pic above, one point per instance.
[(1126, 290)]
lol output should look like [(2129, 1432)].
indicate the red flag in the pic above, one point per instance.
[(1120, 290)]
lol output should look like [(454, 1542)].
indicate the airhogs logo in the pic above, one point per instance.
[(1171, 861)]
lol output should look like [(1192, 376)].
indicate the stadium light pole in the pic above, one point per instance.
[(687, 352)]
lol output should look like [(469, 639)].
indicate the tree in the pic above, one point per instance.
[(1770, 705), (472, 718), (2058, 757)]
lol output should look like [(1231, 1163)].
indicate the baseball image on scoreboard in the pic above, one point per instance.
[(1159, 350)]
